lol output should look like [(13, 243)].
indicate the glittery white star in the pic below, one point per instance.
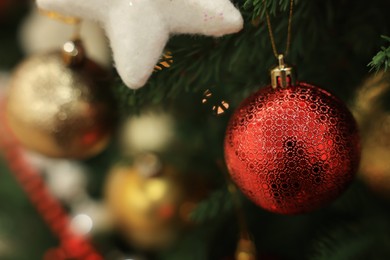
[(139, 29)]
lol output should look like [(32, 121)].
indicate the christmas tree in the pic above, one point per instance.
[(178, 164)]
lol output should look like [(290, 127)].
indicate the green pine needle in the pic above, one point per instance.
[(219, 203), (382, 58), (258, 10), (367, 239)]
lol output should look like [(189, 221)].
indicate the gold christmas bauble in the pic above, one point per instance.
[(246, 249), (60, 104), (374, 119), (149, 210)]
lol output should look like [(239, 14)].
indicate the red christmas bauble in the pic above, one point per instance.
[(292, 150)]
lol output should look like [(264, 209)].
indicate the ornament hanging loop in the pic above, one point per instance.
[(271, 33), (283, 75), (73, 51)]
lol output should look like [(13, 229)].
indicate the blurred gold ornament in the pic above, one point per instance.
[(374, 120), (246, 249), (59, 104), (149, 205), (368, 98), (152, 130)]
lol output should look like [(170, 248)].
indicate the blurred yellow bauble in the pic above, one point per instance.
[(149, 210), (374, 119), (61, 110), (246, 249)]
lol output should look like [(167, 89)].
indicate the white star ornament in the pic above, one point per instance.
[(138, 30)]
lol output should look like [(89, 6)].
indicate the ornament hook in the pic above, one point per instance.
[(283, 75)]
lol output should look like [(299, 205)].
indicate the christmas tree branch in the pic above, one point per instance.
[(272, 6), (218, 203), (382, 58), (367, 239)]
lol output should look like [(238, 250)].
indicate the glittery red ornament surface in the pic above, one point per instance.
[(292, 150)]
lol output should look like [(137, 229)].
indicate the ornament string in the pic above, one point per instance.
[(59, 17), (72, 245), (270, 31), (76, 22)]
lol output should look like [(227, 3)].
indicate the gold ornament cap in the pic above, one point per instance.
[(246, 249), (283, 75), (73, 53)]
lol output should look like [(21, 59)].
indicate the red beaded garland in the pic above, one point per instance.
[(292, 150)]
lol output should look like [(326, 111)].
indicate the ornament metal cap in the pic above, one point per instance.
[(283, 75), (246, 248), (73, 53)]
